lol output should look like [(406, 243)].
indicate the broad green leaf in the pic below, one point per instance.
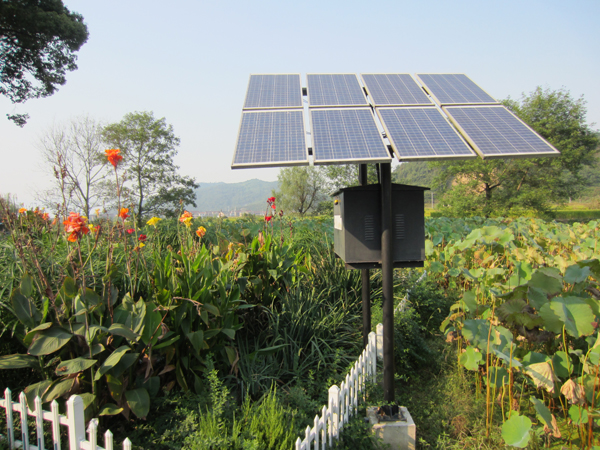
[(197, 340), (470, 300), (542, 375), (470, 358), (58, 389), (152, 385), (476, 332), (576, 274), (547, 279), (115, 387), (537, 298), (125, 363), (542, 411), (110, 409), (563, 367), (534, 358), (454, 272), (48, 341), (436, 267), (167, 342), (74, 366), (498, 377), (24, 309), (90, 298), (152, 325), (501, 338), (118, 329), (138, 401), (34, 390), (228, 332), (572, 312), (27, 285), (515, 431), (18, 361), (211, 309), (28, 339), (578, 414), (111, 361)]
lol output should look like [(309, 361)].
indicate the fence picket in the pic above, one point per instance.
[(39, 423), (24, 427), (55, 425), (9, 418), (93, 434)]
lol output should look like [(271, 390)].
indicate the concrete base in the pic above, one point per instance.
[(399, 434)]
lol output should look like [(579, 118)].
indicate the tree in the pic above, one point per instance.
[(75, 155), (517, 186), (300, 189), (38, 41), (149, 146)]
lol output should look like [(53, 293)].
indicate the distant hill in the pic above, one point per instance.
[(248, 195)]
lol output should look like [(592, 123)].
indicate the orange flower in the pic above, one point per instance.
[(200, 232), (22, 210), (75, 225), (113, 156), (45, 216), (123, 213), (186, 218)]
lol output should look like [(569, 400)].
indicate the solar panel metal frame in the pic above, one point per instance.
[(395, 147), (375, 103), (552, 150), (272, 163), (439, 102), (315, 150), (337, 105), (254, 108)]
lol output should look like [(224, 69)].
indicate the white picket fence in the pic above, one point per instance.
[(74, 421), (343, 400)]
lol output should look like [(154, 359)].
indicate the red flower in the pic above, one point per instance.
[(268, 218), (142, 237), (113, 156), (130, 230), (75, 225)]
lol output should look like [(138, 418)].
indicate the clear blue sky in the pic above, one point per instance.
[(189, 61)]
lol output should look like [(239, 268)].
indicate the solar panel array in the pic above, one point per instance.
[(274, 91), (454, 89), (495, 132), (271, 138), (344, 130), (394, 90), (335, 90), (420, 133), (346, 135)]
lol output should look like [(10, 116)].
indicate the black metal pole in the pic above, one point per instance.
[(387, 272), (365, 276)]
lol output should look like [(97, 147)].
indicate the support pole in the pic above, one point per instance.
[(365, 276), (387, 272)]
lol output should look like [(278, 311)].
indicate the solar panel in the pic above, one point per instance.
[(274, 91), (394, 90), (271, 138), (422, 133), (335, 90), (494, 131), (454, 89), (346, 135)]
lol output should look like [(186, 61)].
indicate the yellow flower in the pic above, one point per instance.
[(200, 232), (92, 227), (97, 211), (141, 244), (153, 221), (186, 218)]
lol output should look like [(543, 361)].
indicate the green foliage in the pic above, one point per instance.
[(149, 147), (39, 40), (300, 189)]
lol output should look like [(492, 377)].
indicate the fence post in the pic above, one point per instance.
[(76, 419), (373, 356), (379, 342), (24, 428), (9, 418), (39, 423), (334, 413), (55, 425)]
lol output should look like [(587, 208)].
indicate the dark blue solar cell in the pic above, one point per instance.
[(273, 91), (335, 90), (422, 133), (346, 135), (457, 89), (394, 90), (271, 138), (495, 131)]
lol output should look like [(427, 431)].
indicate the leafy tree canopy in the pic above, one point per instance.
[(503, 187), (149, 146), (38, 41), (300, 189)]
